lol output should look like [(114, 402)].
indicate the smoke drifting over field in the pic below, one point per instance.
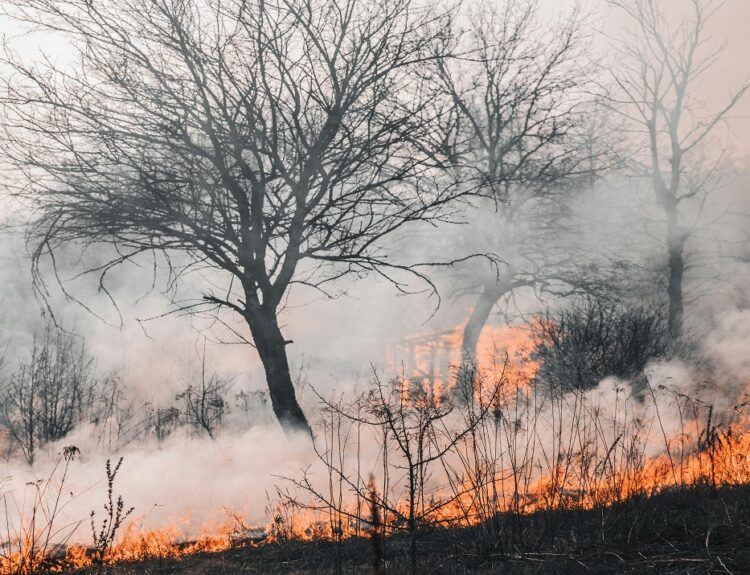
[(192, 482), (365, 325)]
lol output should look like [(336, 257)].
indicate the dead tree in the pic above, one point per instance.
[(276, 143), (658, 67), (521, 140)]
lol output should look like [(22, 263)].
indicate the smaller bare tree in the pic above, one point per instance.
[(524, 141), (206, 404), (50, 393), (419, 428)]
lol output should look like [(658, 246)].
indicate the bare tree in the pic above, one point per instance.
[(275, 143), (659, 66), (49, 393), (520, 141), (205, 403)]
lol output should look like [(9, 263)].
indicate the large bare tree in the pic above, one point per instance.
[(521, 141), (661, 61), (275, 142)]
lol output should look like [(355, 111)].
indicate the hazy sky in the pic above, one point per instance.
[(729, 27)]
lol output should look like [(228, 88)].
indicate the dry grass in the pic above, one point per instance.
[(696, 530)]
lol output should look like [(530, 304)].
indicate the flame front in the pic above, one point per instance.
[(531, 452)]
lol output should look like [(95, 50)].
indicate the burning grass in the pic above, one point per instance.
[(686, 530), (542, 480), (689, 518)]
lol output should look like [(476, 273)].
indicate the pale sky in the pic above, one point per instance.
[(729, 26)]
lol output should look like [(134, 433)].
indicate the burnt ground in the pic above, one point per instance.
[(687, 531)]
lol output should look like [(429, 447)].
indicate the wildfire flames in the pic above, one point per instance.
[(607, 456), (502, 351)]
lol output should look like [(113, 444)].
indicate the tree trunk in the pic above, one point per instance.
[(470, 341), (476, 322), (412, 522), (676, 265), (271, 346)]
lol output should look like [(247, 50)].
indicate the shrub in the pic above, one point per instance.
[(593, 339)]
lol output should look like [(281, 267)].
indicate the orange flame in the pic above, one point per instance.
[(584, 473)]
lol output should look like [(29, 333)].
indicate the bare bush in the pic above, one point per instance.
[(592, 339), (416, 429), (205, 403), (51, 392)]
